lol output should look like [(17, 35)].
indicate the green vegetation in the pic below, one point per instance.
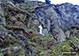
[(75, 39), (56, 51), (60, 48), (48, 36), (64, 47), (1, 54)]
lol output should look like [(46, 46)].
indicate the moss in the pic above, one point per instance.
[(30, 30), (60, 48), (32, 43), (75, 39), (77, 54), (46, 37), (1, 54)]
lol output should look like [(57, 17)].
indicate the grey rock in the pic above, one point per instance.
[(62, 16), (30, 0), (45, 31), (1, 11), (34, 51)]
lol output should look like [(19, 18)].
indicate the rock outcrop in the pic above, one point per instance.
[(57, 19), (20, 32)]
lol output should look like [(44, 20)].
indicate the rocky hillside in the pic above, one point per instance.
[(57, 19), (35, 28)]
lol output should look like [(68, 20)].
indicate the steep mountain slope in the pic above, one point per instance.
[(20, 29), (57, 19)]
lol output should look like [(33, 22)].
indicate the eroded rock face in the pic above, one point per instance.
[(17, 1), (19, 21), (30, 0), (63, 17), (52, 17)]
